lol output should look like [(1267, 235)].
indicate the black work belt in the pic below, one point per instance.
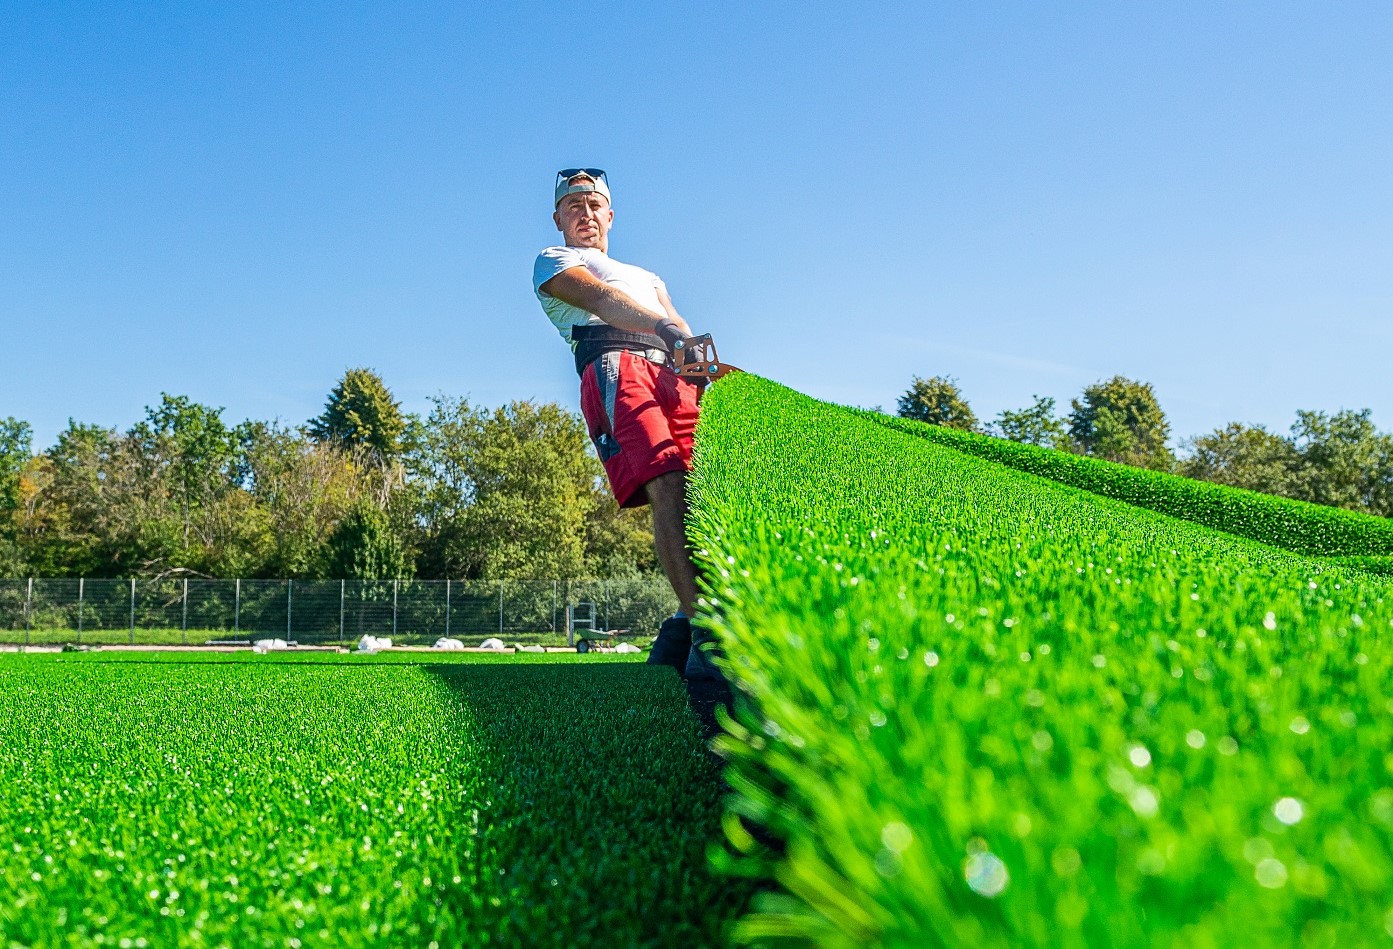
[(592, 342)]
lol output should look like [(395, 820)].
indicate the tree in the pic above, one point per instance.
[(69, 525), (363, 547), (1036, 425), (1120, 420), (361, 415), (190, 443), (301, 488), (15, 455), (938, 401), (515, 493), (1343, 461), (15, 450), (1242, 456)]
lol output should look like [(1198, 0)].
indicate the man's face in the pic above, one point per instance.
[(585, 220)]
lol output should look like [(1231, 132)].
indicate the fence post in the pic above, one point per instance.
[(342, 584), (289, 605), (28, 609), (500, 608), (553, 607), (132, 611), (80, 583), (604, 594), (184, 630), (237, 610), (447, 609), (396, 584)]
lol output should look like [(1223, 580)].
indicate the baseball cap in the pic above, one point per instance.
[(580, 181)]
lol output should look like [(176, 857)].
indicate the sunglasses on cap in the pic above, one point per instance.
[(591, 180), (567, 173)]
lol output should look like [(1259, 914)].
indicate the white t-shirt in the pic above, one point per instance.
[(642, 285)]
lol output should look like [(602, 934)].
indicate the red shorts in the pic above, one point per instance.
[(641, 418)]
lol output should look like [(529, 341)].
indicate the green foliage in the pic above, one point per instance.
[(191, 442), (1293, 525), (301, 489), (1241, 456), (1344, 461), (15, 450), (1036, 425), (514, 493), (65, 524), (364, 547), (510, 493), (351, 802), (938, 401), (15, 456), (1120, 420), (994, 710), (361, 415), (157, 499), (1338, 460)]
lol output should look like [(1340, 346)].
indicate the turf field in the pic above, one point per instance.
[(994, 698), (999, 710), (312, 800)]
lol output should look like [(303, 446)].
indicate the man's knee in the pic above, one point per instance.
[(667, 489)]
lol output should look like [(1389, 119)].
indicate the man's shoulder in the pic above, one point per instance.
[(562, 252), (552, 260)]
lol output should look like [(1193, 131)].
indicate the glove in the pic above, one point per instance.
[(670, 333)]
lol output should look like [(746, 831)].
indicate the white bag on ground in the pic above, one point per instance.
[(262, 646), (454, 645), (492, 644), (371, 644), (627, 647)]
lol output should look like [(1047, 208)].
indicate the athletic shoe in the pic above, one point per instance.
[(673, 644), (700, 664)]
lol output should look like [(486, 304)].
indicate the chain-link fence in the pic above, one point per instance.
[(412, 612)]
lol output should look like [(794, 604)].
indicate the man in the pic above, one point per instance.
[(620, 323)]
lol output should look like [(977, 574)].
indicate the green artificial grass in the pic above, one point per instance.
[(1382, 566), (1281, 522), (322, 800), (994, 710)]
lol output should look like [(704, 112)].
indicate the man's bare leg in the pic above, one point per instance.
[(668, 495)]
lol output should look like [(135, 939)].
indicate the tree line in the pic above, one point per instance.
[(1338, 459), (362, 491), (366, 491)]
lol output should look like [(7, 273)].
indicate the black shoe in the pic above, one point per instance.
[(673, 644), (700, 663)]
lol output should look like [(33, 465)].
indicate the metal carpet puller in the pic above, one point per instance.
[(693, 357)]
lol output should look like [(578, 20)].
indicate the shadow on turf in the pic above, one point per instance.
[(597, 791)]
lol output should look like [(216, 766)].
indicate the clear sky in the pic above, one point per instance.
[(236, 202)]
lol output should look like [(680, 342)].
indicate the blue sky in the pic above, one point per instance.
[(237, 202)]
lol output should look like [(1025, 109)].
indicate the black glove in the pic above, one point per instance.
[(670, 333)]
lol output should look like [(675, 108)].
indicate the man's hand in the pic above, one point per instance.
[(671, 333), (581, 288)]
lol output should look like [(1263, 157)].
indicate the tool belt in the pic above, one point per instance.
[(592, 342)]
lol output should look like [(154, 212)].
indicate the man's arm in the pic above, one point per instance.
[(581, 288), (671, 310)]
